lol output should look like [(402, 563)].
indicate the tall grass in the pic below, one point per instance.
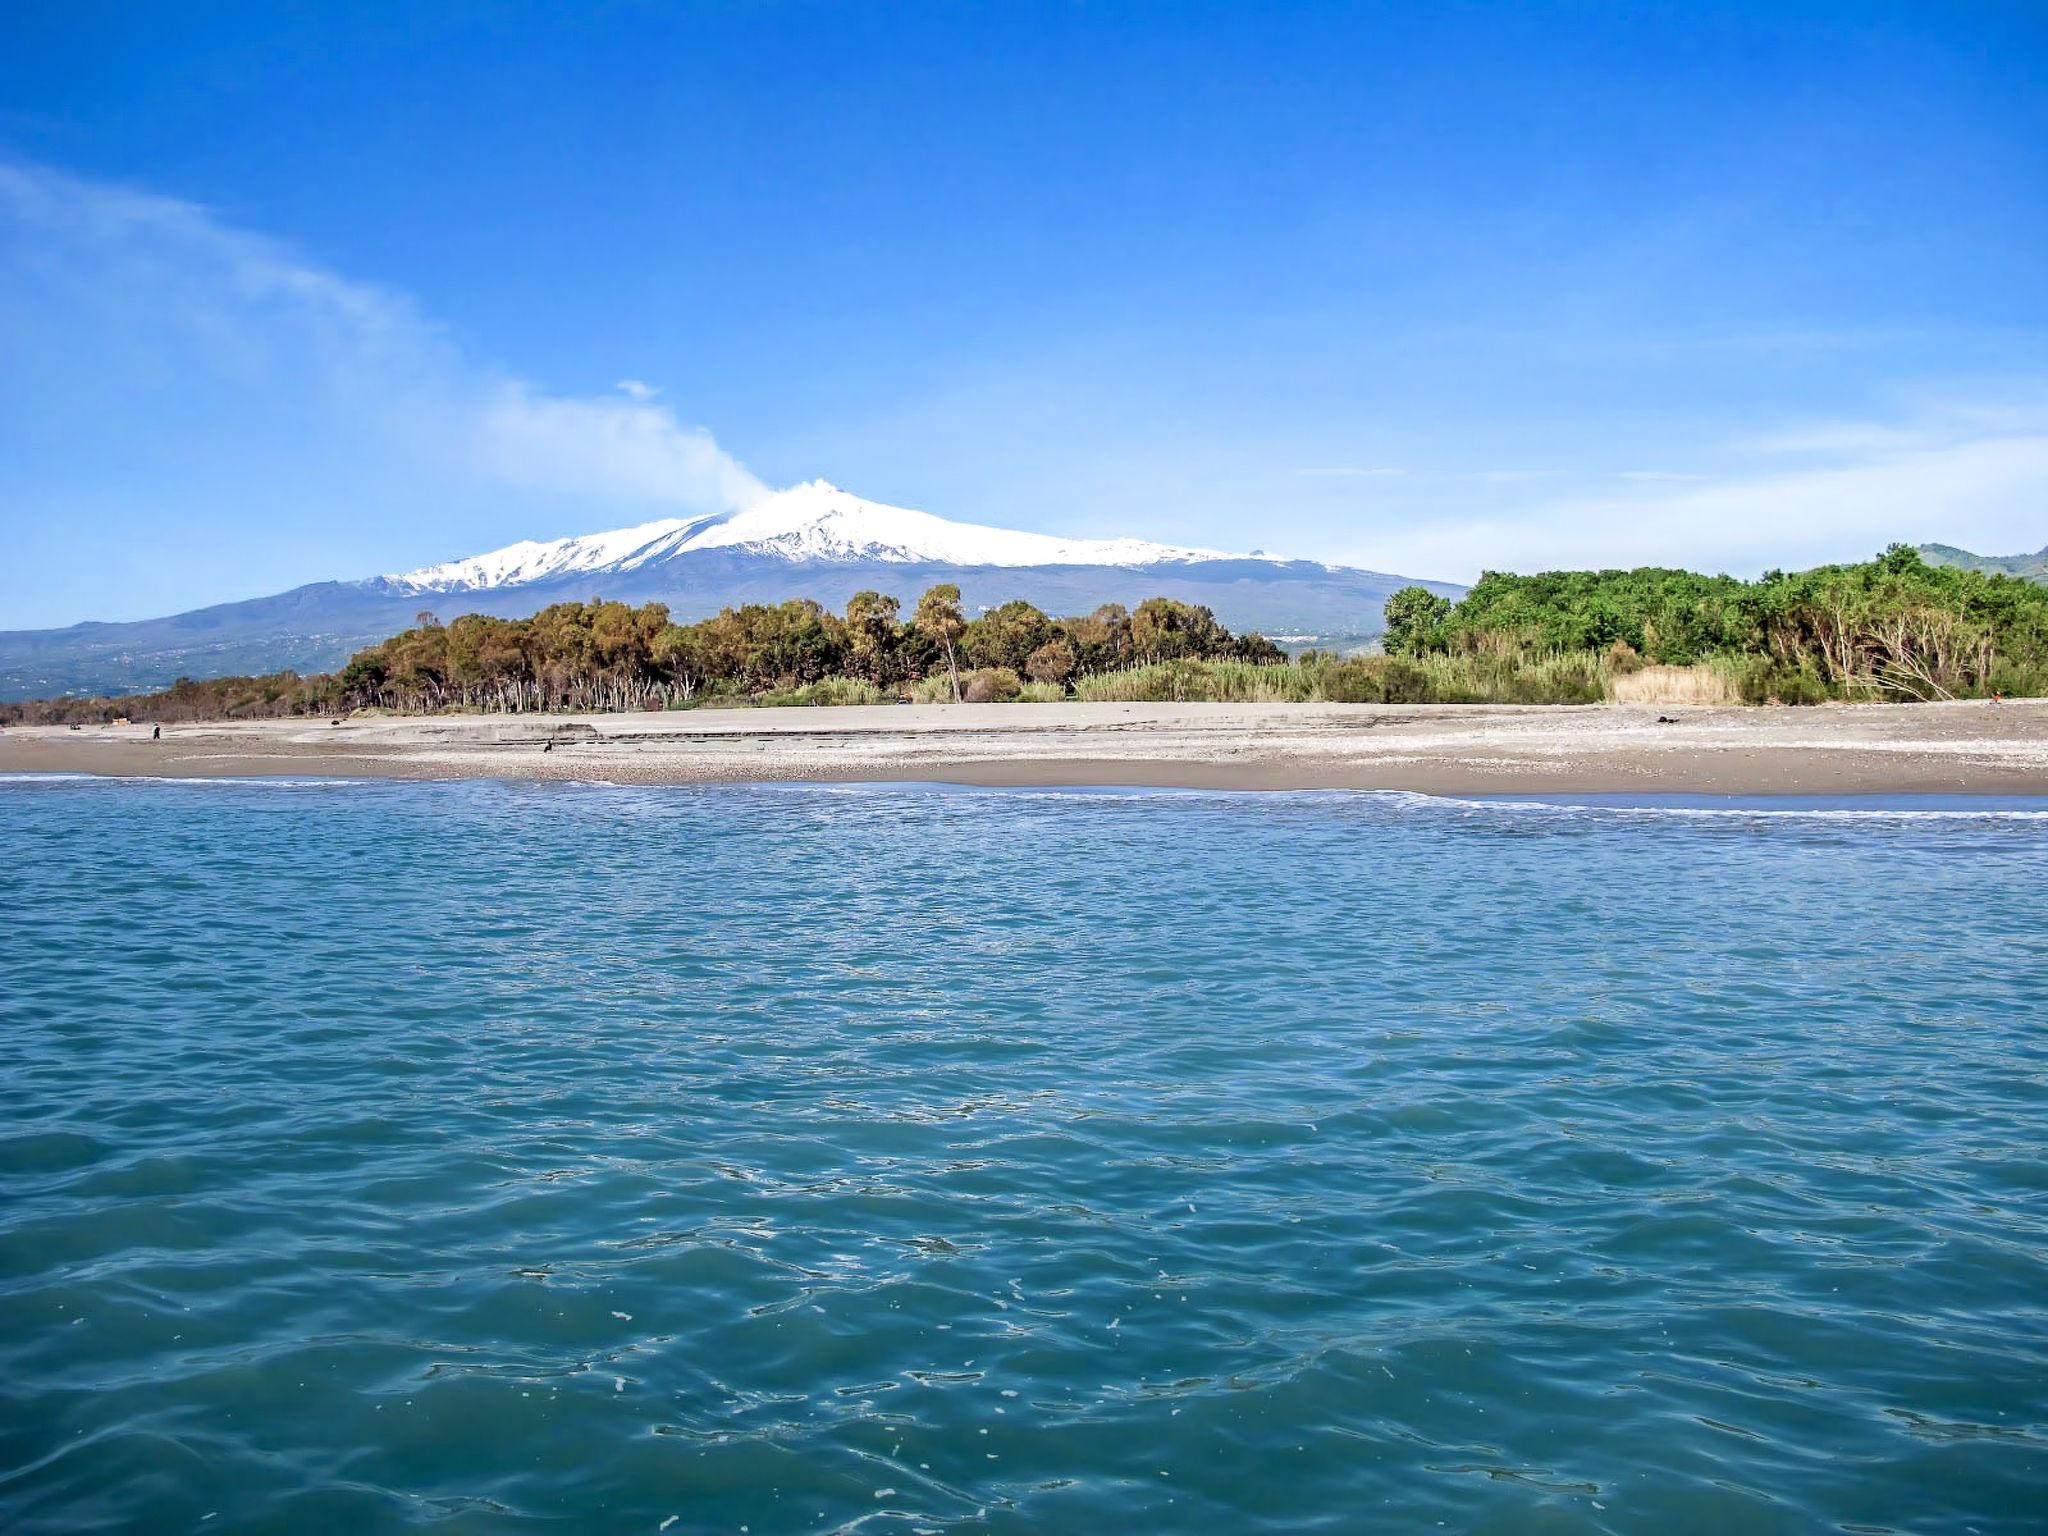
[(1701, 684), (1577, 677), (986, 685), (1558, 677), (1221, 682), (826, 691)]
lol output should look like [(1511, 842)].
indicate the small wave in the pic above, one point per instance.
[(1751, 808), (1831, 808), (1723, 807), (251, 781), (1035, 791)]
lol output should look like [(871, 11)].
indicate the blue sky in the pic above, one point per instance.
[(291, 291)]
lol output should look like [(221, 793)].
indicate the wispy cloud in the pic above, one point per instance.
[(1837, 439), (1986, 492), (215, 395), (1922, 422), (1349, 472)]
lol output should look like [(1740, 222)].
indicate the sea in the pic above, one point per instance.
[(492, 1157)]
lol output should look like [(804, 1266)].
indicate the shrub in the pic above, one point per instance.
[(1761, 680), (990, 685), (1052, 662), (824, 692)]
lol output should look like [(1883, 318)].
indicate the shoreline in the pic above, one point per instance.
[(1968, 747)]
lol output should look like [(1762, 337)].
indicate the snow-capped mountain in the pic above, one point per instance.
[(815, 521), (812, 540)]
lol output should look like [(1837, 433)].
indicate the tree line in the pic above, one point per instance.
[(612, 656), (1893, 627)]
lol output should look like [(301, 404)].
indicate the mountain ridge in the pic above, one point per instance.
[(812, 521), (2033, 567), (812, 540)]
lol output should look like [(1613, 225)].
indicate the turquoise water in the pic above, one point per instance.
[(482, 1157)]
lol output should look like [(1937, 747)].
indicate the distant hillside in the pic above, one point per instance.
[(2033, 567), (813, 540)]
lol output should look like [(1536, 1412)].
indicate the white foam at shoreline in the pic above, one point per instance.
[(1423, 801), (250, 782), (1740, 809), (1745, 812)]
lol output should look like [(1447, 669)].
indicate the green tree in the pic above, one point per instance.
[(1006, 636), (939, 620), (1900, 560), (1165, 629), (1102, 639), (1052, 662), (871, 625), (1414, 616)]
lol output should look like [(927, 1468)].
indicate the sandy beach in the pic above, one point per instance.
[(1451, 749)]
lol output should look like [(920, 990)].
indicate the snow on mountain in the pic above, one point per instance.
[(533, 560), (813, 522), (812, 541)]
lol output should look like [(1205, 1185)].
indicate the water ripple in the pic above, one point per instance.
[(490, 1157)]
